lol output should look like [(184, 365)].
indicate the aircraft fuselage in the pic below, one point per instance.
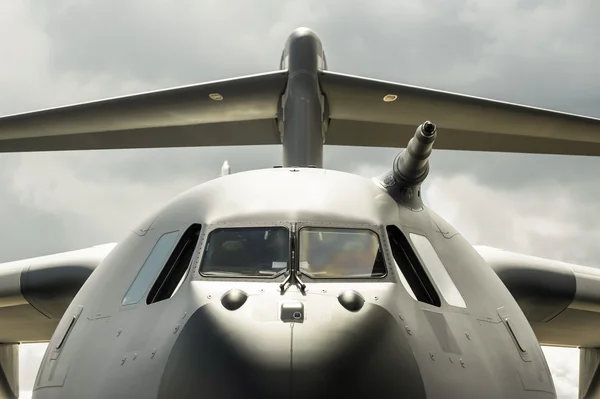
[(413, 311)]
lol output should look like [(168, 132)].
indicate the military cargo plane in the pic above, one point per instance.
[(297, 281)]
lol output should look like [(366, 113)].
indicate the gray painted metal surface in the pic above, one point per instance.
[(303, 115), (202, 345), (298, 281), (9, 370), (589, 384)]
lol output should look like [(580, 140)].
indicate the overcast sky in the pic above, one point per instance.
[(541, 53)]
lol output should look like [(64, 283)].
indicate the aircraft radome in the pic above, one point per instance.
[(295, 281)]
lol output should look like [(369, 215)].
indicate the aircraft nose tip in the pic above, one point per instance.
[(329, 351)]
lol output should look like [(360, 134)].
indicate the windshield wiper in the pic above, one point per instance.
[(296, 261), (295, 272), (282, 285), (301, 285)]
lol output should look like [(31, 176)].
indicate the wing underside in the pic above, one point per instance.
[(361, 117), (34, 293), (560, 300), (240, 111)]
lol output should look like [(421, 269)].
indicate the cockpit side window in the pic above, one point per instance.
[(173, 274), (151, 267), (340, 253), (438, 272), (413, 275), (246, 252)]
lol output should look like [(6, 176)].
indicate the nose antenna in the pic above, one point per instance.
[(411, 167)]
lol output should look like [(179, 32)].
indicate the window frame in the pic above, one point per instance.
[(198, 275), (436, 277), (357, 227), (171, 263), (436, 300), (151, 282)]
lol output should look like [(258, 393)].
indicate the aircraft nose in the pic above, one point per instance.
[(314, 348), (342, 351)]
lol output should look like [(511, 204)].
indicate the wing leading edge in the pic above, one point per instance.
[(560, 300), (34, 293)]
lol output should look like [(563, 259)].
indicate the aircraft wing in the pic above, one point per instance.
[(240, 111), (361, 117), (560, 300), (243, 111), (34, 293)]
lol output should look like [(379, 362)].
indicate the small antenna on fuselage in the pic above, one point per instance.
[(225, 170)]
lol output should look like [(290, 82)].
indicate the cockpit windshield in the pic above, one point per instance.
[(246, 252), (340, 253)]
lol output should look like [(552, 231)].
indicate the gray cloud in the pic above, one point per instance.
[(30, 357), (530, 52), (535, 220), (564, 364)]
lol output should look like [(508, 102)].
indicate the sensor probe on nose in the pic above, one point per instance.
[(411, 166)]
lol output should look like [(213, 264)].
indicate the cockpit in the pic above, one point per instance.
[(315, 252)]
